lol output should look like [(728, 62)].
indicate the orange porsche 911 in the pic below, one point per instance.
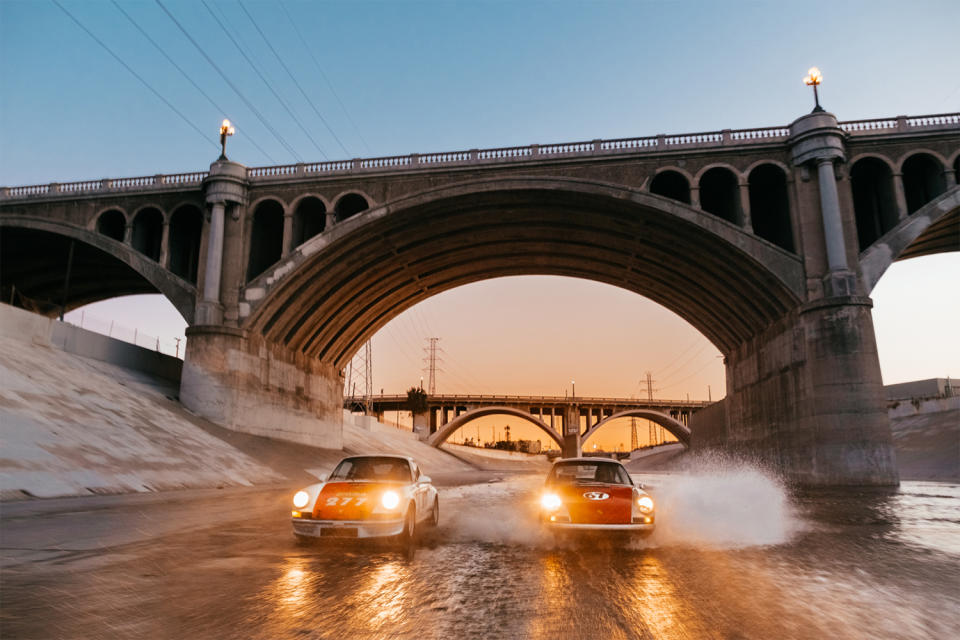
[(367, 497), (594, 494)]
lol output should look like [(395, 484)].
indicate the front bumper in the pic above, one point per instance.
[(624, 528), (347, 528)]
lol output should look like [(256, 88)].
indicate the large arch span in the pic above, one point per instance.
[(677, 428), (450, 428), (340, 287), (35, 256), (934, 228)]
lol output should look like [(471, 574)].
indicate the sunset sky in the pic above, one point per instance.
[(400, 77)]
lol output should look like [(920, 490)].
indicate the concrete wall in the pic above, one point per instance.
[(27, 326), (931, 388), (246, 384)]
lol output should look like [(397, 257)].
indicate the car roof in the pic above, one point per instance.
[(588, 459), (379, 455)]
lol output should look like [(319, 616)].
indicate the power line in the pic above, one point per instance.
[(250, 106), (185, 75), (295, 82), (135, 74), (265, 81), (325, 78)]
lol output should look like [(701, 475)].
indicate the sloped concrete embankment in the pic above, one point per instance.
[(81, 425), (926, 435)]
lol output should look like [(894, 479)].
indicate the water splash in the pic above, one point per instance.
[(721, 503)]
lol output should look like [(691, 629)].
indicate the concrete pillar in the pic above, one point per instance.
[(949, 178), (806, 395), (746, 221), (225, 186), (165, 245), (128, 233), (695, 196), (287, 232), (331, 220), (900, 196), (830, 215), (246, 384), (571, 432)]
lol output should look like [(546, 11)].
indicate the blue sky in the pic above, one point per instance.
[(434, 76)]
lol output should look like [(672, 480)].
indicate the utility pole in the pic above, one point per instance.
[(650, 388), (430, 362)]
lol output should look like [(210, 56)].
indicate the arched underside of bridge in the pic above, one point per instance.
[(934, 228), (448, 429), (348, 283), (33, 266), (678, 429)]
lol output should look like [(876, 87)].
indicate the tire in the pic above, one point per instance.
[(435, 514), (409, 525)]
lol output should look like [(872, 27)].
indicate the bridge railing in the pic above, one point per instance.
[(647, 144), (533, 400)]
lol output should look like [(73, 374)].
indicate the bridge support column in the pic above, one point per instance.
[(806, 397), (571, 432), (246, 384)]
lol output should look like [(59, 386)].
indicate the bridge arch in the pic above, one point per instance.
[(266, 235), (309, 217), (720, 192), (141, 275), (768, 186), (147, 232), (111, 222), (677, 428), (350, 203), (451, 427), (923, 178), (874, 200), (363, 272), (934, 228), (673, 183)]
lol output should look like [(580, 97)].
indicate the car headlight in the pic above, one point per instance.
[(390, 499), (645, 503), (550, 501), (300, 499)]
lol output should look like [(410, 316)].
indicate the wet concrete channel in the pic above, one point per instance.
[(735, 556)]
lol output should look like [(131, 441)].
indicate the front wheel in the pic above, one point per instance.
[(435, 514), (409, 526)]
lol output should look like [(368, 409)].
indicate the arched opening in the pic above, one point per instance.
[(186, 226), (626, 434), (923, 180), (266, 237), (112, 224), (350, 205), (720, 194), (956, 169), (874, 202), (148, 232), (770, 205), (309, 219), (493, 427), (671, 184)]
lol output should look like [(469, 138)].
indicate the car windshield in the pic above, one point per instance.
[(589, 472), (372, 469)]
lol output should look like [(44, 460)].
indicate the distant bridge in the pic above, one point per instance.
[(556, 416)]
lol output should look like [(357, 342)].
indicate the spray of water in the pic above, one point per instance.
[(721, 503), (713, 502)]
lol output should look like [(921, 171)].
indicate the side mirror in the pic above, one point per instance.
[(424, 480)]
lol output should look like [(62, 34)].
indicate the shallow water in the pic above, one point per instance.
[(736, 555)]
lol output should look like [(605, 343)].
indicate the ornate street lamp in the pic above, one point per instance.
[(814, 77), (226, 129)]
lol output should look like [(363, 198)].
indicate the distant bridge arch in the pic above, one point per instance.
[(450, 428), (677, 428)]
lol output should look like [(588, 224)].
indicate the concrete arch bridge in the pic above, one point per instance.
[(768, 241)]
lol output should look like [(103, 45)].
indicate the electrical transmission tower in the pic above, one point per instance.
[(360, 369), (634, 441), (650, 388), (430, 364)]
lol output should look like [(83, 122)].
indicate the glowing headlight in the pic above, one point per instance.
[(300, 499), (645, 503), (550, 501), (390, 500)]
